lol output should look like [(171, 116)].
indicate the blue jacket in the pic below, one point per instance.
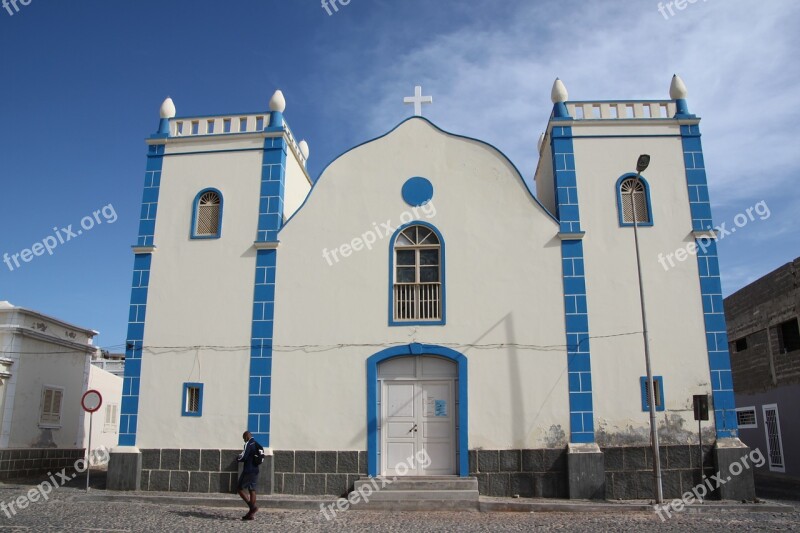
[(246, 457)]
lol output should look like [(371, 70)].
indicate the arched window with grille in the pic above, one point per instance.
[(633, 195), (417, 289), (207, 215)]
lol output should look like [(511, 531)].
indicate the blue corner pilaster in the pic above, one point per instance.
[(567, 210), (576, 318), (710, 286), (129, 411), (270, 221), (696, 178)]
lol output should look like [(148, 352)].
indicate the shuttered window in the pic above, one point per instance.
[(51, 406)]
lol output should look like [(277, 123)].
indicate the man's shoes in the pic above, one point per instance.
[(248, 516), (253, 510)]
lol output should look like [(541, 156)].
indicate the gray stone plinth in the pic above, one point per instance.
[(586, 472), (733, 462), (125, 468)]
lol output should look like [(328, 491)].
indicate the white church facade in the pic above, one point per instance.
[(418, 297)]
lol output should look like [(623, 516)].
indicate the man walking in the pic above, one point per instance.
[(251, 457)]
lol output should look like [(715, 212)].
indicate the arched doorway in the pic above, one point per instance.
[(417, 408)]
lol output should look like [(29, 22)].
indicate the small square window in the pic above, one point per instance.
[(259, 123), (210, 127), (658, 385), (746, 418), (192, 399), (740, 345), (242, 124), (226, 125)]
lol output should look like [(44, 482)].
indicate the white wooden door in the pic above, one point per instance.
[(418, 428)]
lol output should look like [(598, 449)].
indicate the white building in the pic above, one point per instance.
[(420, 297), (44, 371)]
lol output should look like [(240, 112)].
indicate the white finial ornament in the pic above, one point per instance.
[(559, 93), (677, 89), (168, 108), (303, 145), (417, 100), (277, 102)]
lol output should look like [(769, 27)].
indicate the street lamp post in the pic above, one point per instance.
[(641, 166)]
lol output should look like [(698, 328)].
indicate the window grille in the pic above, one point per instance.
[(639, 200), (208, 210), (746, 418), (417, 275)]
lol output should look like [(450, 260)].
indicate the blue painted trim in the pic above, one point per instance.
[(442, 271), (270, 218), (137, 311), (193, 230), (576, 313), (618, 189), (184, 407), (163, 128), (417, 191), (519, 175), (643, 392), (373, 412), (719, 361)]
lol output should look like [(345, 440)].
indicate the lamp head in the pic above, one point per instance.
[(642, 163)]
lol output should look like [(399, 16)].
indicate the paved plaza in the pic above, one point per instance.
[(69, 509)]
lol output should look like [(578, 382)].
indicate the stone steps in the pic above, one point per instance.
[(437, 493)]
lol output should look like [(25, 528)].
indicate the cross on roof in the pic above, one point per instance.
[(418, 100)]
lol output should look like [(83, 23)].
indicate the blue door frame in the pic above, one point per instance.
[(373, 413)]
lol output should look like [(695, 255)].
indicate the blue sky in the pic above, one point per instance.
[(83, 81)]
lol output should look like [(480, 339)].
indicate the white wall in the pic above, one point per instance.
[(201, 294), (674, 304), (503, 277), (110, 387), (64, 370)]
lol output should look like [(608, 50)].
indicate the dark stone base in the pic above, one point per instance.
[(318, 472), (629, 471), (124, 469), (526, 473), (585, 472), (187, 470), (731, 457), (31, 462)]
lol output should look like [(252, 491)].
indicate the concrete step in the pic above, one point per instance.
[(428, 484), (409, 495), (440, 493), (418, 505)]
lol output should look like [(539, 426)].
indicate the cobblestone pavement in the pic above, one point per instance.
[(63, 513)]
